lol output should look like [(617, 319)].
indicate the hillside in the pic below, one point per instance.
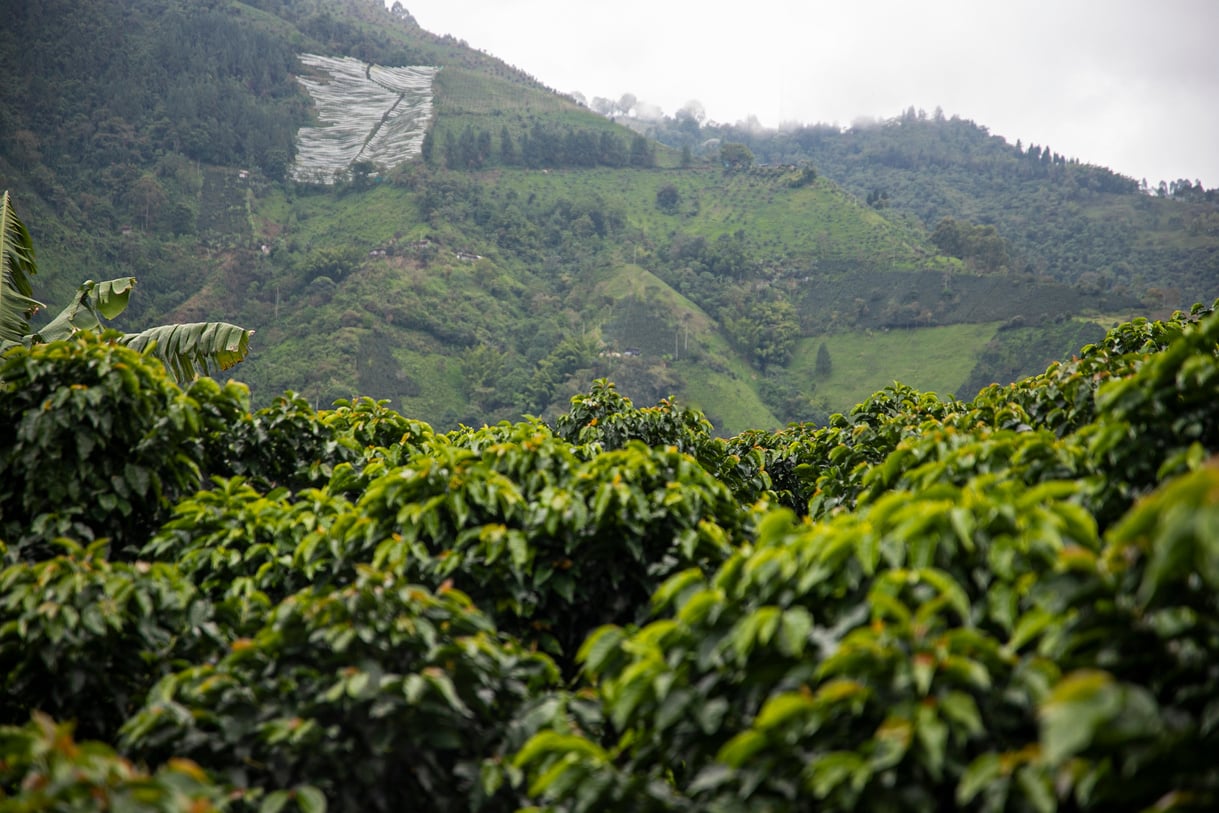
[(476, 247), (1057, 215)]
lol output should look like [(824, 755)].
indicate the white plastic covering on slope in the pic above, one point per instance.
[(368, 113)]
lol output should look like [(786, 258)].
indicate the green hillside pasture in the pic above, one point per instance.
[(935, 359), (728, 398), (367, 221), (436, 384), (716, 380), (467, 99), (635, 281), (462, 92), (419, 383), (826, 222)]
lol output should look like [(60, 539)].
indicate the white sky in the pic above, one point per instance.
[(1128, 84)]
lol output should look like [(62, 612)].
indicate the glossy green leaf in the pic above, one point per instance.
[(830, 771), (310, 800), (981, 773), (1081, 703), (741, 748), (781, 709), (599, 646), (274, 802)]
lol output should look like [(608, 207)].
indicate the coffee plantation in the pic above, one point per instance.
[(1007, 604)]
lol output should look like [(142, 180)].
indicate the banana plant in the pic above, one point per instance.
[(188, 350), (17, 304)]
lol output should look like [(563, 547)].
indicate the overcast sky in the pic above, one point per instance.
[(1128, 84)]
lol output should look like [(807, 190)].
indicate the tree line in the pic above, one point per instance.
[(542, 145)]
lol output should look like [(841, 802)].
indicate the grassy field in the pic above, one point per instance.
[(634, 281), (461, 92), (314, 219), (467, 98), (936, 359)]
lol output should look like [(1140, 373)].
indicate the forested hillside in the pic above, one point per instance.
[(513, 245), (992, 202), (926, 604)]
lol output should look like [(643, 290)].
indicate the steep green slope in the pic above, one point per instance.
[(512, 262)]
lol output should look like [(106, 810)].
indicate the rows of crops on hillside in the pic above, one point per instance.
[(1010, 603)]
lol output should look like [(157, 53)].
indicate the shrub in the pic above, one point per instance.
[(858, 663), (101, 445), (948, 628), (549, 545), (43, 768), (1006, 604), (384, 695), (82, 638), (232, 541)]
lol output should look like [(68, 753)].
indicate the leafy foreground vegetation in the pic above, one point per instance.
[(1005, 604)]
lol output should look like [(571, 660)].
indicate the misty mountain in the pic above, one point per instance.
[(401, 216)]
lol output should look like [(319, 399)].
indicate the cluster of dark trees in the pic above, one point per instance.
[(727, 256), (543, 145), (1184, 189), (915, 142), (506, 219), (982, 246)]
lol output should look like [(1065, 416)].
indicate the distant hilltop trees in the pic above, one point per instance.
[(543, 145)]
